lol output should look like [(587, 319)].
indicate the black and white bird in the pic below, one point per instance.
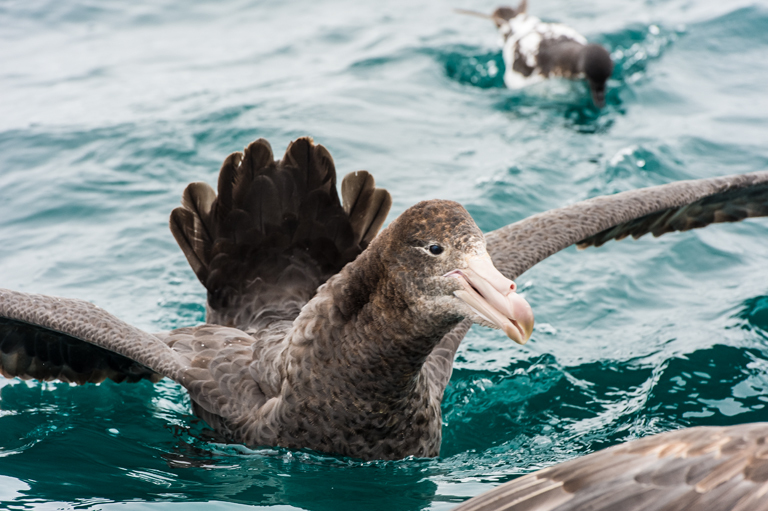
[(534, 51)]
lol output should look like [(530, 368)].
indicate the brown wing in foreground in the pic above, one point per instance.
[(694, 469), (47, 338), (659, 209)]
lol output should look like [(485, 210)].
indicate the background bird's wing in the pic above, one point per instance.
[(660, 209), (275, 232), (695, 469)]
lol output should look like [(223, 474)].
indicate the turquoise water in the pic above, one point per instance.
[(107, 111)]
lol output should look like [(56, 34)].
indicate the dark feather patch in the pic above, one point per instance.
[(660, 209), (30, 351), (732, 205), (366, 205), (275, 231)]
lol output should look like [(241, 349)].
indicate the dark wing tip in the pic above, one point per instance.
[(314, 163), (31, 351), (259, 155), (658, 210), (366, 205), (191, 226), (728, 204), (381, 203)]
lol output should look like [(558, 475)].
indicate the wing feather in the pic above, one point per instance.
[(275, 232), (694, 469), (439, 364), (47, 338), (658, 210), (365, 205)]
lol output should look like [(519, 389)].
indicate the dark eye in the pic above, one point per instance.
[(435, 249)]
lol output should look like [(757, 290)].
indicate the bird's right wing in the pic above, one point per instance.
[(678, 206), (693, 469), (47, 338)]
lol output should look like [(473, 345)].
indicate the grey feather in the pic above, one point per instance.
[(659, 209), (694, 469)]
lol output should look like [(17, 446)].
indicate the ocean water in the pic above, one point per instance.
[(108, 109)]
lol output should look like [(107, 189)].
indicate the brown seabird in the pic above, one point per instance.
[(321, 334)]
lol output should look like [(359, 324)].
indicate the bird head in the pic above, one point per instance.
[(436, 257), (596, 63)]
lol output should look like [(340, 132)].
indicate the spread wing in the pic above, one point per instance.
[(694, 469), (49, 338), (660, 209), (275, 232)]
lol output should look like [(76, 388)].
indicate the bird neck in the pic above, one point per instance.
[(363, 327)]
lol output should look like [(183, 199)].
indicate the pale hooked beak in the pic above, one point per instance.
[(493, 297)]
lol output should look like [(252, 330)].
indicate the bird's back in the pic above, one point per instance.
[(534, 50)]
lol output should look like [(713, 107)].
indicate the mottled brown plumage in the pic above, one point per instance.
[(321, 334)]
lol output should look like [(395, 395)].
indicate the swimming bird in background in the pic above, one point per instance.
[(321, 333), (534, 50)]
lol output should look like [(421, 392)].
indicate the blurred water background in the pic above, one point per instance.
[(108, 109)]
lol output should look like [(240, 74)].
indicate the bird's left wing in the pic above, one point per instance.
[(658, 210), (438, 367)]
